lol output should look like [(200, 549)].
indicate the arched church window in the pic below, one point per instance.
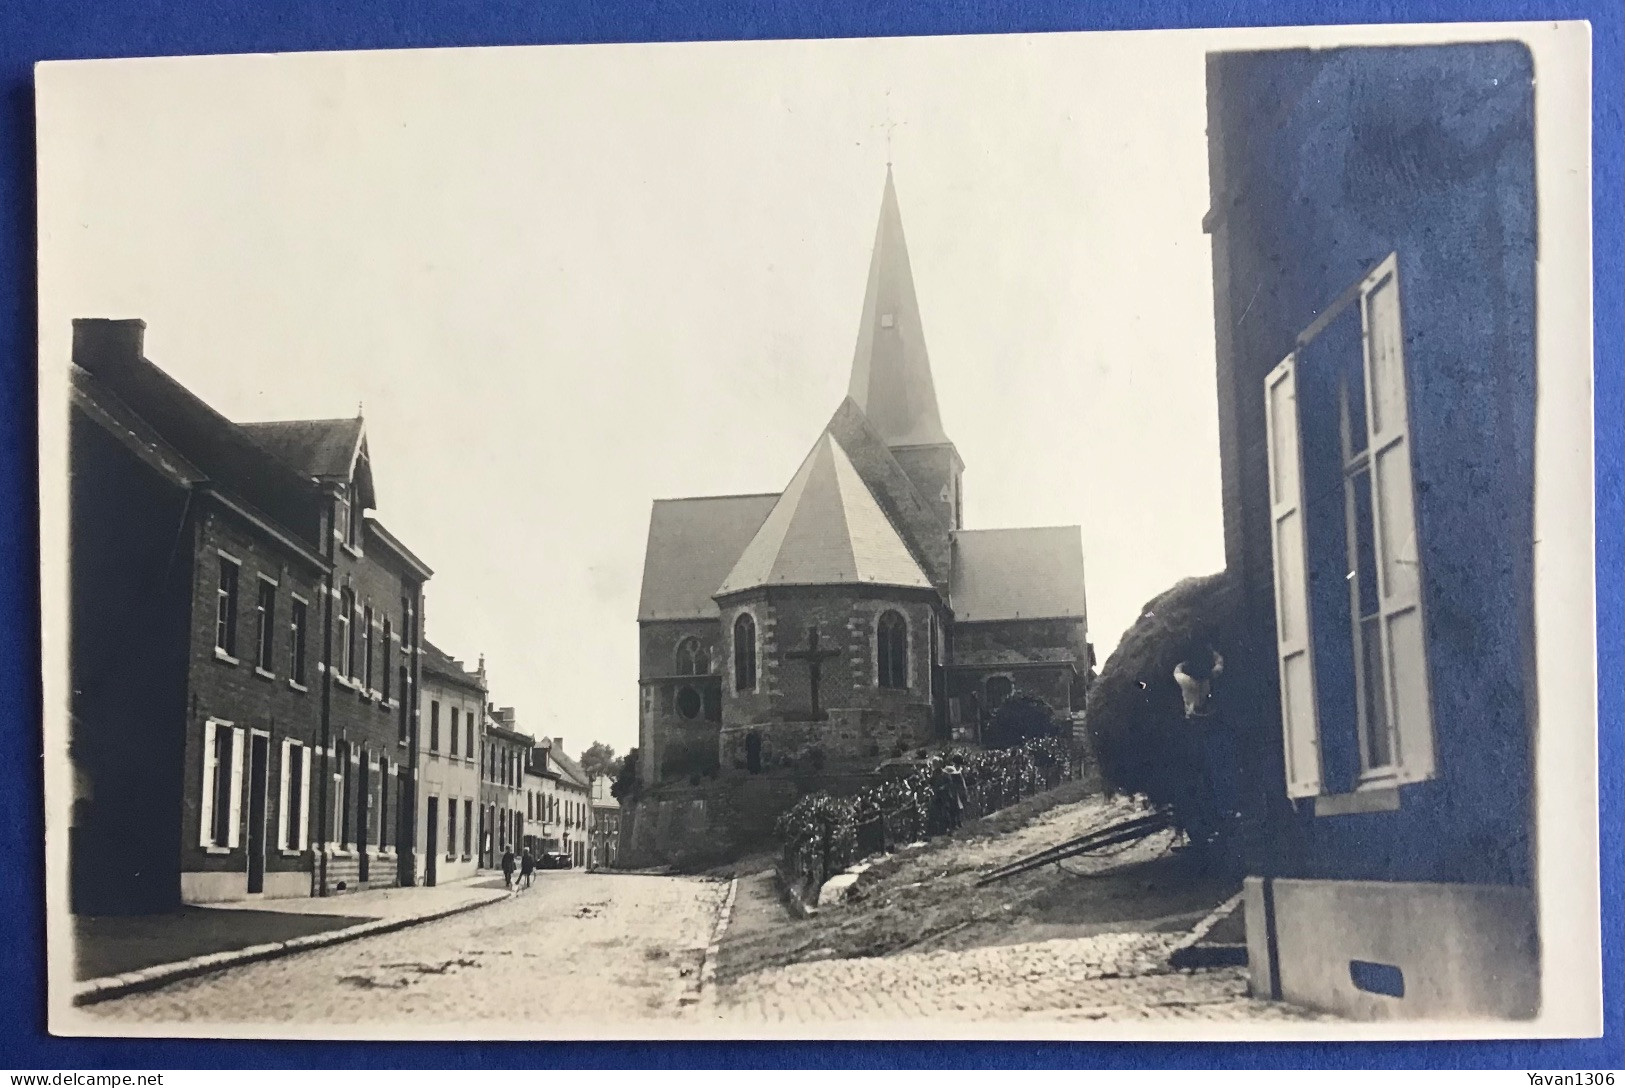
[(689, 703), (891, 651), (999, 688), (744, 652), (692, 658)]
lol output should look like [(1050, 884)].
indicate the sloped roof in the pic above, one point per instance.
[(891, 372), (1008, 574), (826, 529), (117, 419), (572, 770), (110, 351), (321, 448), (442, 664), (693, 543)]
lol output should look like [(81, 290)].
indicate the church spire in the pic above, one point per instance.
[(891, 373)]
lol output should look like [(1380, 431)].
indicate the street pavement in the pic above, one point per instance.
[(1111, 976), (576, 951)]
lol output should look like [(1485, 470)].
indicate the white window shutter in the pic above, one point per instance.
[(282, 822), (1294, 655), (1399, 571), (235, 808), (205, 831), (304, 800)]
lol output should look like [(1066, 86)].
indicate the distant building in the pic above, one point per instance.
[(502, 786), (605, 826), (544, 822), (1374, 254), (573, 800), (244, 648), (450, 734)]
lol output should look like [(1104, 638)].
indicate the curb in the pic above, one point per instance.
[(705, 992), (96, 990), (1181, 954)]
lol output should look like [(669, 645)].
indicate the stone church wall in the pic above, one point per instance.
[(694, 827)]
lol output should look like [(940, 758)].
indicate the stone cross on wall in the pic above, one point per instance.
[(815, 657)]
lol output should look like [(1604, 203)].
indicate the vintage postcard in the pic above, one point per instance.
[(1062, 536)]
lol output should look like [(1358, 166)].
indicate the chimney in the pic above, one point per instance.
[(107, 340), (560, 742)]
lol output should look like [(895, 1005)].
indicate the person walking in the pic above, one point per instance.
[(507, 867), (527, 867)]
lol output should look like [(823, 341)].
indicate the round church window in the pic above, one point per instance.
[(688, 702)]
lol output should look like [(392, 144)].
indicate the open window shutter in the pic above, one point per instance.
[(1301, 732), (304, 800), (236, 806), (282, 823), (1399, 571), (205, 818)]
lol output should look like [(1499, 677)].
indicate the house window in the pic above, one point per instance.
[(692, 658), (468, 827), (265, 626), (346, 644), (451, 828), (222, 787), (366, 648), (744, 652), (297, 619), (225, 613), (468, 727), (455, 731), (295, 809), (891, 651), (387, 643), (1355, 699), (434, 725), (354, 527)]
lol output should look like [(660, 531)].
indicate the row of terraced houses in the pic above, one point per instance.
[(255, 707)]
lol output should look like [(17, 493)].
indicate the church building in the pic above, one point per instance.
[(812, 633)]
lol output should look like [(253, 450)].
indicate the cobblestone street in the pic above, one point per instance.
[(576, 948), (1113, 976)]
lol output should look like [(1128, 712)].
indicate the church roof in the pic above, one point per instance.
[(1010, 574), (693, 543), (826, 529), (891, 373)]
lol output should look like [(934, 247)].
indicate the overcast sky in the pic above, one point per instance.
[(568, 281)]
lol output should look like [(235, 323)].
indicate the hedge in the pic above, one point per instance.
[(822, 834)]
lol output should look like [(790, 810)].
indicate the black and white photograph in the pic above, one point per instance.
[(1025, 536)]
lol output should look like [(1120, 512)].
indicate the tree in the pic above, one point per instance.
[(625, 788), (599, 760)]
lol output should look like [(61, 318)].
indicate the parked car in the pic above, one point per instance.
[(555, 859)]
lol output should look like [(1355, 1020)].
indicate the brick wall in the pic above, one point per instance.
[(241, 693)]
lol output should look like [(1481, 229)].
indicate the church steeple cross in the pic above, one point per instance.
[(815, 657)]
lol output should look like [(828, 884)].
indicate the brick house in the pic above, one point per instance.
[(794, 640), (212, 563), (449, 737), (1374, 254)]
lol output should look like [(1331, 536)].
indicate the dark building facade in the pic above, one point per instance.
[(254, 743), (795, 640), (1373, 233)]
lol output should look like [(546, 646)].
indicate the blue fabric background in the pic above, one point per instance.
[(33, 30)]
